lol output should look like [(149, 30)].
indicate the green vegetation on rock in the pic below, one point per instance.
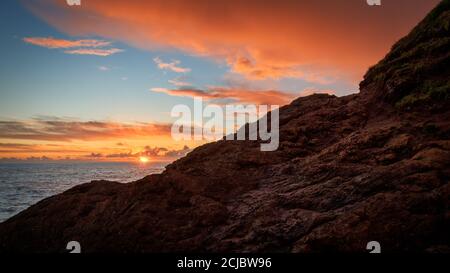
[(411, 74)]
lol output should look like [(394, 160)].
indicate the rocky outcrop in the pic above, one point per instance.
[(349, 170)]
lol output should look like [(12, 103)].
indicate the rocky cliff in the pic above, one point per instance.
[(349, 170)]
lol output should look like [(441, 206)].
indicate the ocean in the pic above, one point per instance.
[(24, 184)]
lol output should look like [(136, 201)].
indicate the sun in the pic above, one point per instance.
[(143, 159)]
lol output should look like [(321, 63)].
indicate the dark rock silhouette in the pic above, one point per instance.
[(349, 170)]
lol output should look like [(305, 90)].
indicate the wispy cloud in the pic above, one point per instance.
[(173, 66), (179, 82), (93, 51), (78, 47), (185, 92), (103, 68), (14, 145), (238, 95), (50, 42), (20, 148)]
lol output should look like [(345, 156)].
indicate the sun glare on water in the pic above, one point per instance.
[(143, 159)]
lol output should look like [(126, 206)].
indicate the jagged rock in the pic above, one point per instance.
[(349, 170)]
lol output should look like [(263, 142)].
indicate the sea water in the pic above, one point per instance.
[(24, 184)]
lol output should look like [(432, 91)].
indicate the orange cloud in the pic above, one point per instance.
[(261, 97), (50, 42), (45, 138), (19, 151), (171, 66), (59, 138), (19, 148), (68, 130), (78, 47), (314, 40)]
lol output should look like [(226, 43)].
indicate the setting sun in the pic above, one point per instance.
[(143, 159)]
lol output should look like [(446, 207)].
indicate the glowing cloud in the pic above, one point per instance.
[(68, 130), (236, 94), (50, 42), (78, 47), (173, 66), (313, 40)]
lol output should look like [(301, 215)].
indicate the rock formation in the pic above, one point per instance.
[(374, 166)]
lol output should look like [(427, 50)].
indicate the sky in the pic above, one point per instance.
[(98, 81)]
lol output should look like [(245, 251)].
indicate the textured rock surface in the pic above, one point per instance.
[(348, 170)]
